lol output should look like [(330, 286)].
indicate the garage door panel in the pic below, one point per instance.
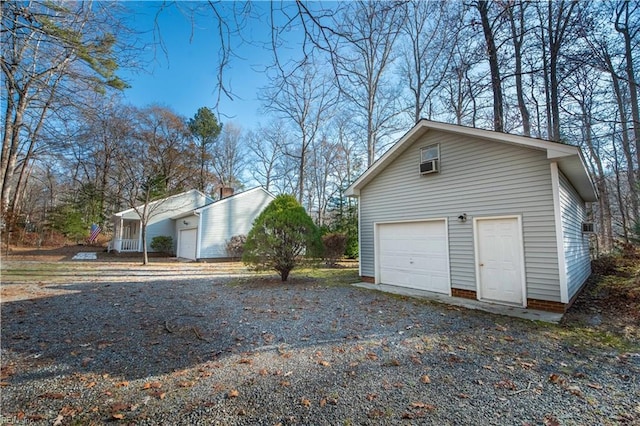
[(414, 255)]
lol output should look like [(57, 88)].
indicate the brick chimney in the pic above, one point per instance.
[(225, 192)]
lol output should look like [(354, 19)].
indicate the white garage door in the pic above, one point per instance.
[(187, 244), (414, 254)]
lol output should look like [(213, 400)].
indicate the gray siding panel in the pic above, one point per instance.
[(576, 244), (480, 179)]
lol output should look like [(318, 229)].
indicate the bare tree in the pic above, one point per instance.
[(429, 31), (369, 31), (266, 146), (489, 30), (627, 17), (48, 49), (228, 155), (306, 99), (516, 13)]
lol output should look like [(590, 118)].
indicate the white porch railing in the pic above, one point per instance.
[(122, 245)]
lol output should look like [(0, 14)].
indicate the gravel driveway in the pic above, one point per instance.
[(216, 350)]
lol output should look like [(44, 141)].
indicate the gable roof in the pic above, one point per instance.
[(239, 194), (182, 194), (568, 157)]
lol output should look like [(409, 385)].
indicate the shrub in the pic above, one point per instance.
[(280, 235), (235, 246), (163, 244), (334, 245)]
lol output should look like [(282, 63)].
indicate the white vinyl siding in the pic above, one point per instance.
[(228, 217), (481, 179), (160, 222), (575, 243)]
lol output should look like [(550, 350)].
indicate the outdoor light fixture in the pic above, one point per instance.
[(185, 222), (462, 218)]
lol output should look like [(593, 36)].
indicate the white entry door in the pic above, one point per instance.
[(187, 244), (415, 255), (500, 260)]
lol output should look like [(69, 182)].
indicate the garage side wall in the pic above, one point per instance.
[(480, 179), (576, 244), (229, 217)]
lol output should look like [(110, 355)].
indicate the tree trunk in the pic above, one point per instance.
[(517, 51), (492, 51), (633, 86)]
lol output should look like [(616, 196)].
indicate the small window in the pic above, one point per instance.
[(429, 159), (588, 228)]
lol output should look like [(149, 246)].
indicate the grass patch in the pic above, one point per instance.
[(607, 312), (304, 275), (597, 338)]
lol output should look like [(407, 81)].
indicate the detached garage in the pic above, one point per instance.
[(477, 214)]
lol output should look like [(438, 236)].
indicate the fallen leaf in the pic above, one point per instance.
[(245, 361), (285, 383), (263, 372), (372, 356), (52, 395), (58, 420), (555, 378), (305, 402), (185, 384), (324, 363), (371, 396), (36, 417), (376, 413), (118, 416), (551, 421), (159, 394), (91, 384), (575, 390), (463, 396), (122, 384), (323, 402), (425, 379), (594, 386), (119, 407), (233, 393), (423, 405)]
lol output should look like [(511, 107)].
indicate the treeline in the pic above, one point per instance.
[(363, 73)]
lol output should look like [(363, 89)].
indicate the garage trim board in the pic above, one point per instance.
[(413, 254)]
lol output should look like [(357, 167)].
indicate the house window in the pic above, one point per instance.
[(429, 159)]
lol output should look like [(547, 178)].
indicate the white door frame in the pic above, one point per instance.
[(476, 250), (180, 238), (376, 244)]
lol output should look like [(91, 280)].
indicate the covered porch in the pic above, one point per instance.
[(126, 235)]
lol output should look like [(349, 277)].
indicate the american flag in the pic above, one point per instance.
[(95, 230)]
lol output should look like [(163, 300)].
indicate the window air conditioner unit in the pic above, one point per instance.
[(427, 167), (588, 228)]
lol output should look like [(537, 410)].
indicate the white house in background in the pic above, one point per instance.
[(477, 214), (198, 225), (202, 233)]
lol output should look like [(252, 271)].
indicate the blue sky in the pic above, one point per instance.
[(184, 77)]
